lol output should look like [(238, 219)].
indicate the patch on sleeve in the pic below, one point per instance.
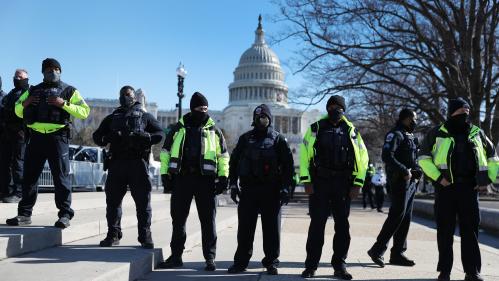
[(389, 137)]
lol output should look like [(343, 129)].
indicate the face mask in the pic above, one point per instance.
[(127, 101), (51, 76), (198, 116), (412, 126), (460, 119), (335, 115), (21, 83), (262, 122)]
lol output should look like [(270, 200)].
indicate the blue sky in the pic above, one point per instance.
[(103, 45)]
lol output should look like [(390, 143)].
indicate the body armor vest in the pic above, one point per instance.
[(259, 158), (334, 149), (43, 112), (125, 123)]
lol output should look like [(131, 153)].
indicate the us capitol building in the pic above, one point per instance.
[(257, 79)]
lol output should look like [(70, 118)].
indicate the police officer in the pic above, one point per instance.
[(379, 182), (194, 163), (333, 164), (460, 160), (131, 132), (367, 189), (263, 163), (400, 157), (46, 109), (13, 141)]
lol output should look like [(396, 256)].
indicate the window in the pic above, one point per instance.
[(295, 125)]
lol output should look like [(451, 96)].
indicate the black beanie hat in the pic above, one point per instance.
[(198, 99), (455, 104), (405, 113), (50, 62), (336, 99)]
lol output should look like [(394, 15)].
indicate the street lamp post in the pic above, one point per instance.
[(181, 73)]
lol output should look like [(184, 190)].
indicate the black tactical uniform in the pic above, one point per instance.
[(194, 162), (48, 124), (400, 155), (472, 162), (263, 163), (131, 132), (334, 162), (13, 146)]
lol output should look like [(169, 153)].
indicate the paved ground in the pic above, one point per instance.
[(365, 225)]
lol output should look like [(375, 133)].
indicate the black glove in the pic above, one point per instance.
[(234, 193), (416, 174), (167, 181), (221, 185), (284, 196)]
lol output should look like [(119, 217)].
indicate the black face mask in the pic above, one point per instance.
[(262, 122), (335, 115), (127, 101), (21, 83), (51, 76), (198, 117), (412, 126), (459, 123)]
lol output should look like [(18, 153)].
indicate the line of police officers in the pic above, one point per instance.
[(195, 163)]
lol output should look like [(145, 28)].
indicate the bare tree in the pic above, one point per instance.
[(393, 53)]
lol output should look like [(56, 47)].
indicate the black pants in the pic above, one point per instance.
[(380, 196), (367, 193), (53, 147), (460, 200), (263, 200), (133, 174), (399, 218), (11, 163), (330, 196), (202, 188)]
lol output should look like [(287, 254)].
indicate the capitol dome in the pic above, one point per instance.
[(258, 78)]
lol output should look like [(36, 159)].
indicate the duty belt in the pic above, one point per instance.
[(190, 171), (465, 180), (326, 173)]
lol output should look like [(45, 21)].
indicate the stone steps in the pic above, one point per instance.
[(85, 260), (89, 220)]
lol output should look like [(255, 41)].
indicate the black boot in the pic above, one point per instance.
[(210, 265), (18, 221), (308, 273), (146, 242), (401, 260), (109, 241), (377, 259), (343, 274), (62, 223), (234, 269), (172, 262), (444, 276), (272, 270)]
